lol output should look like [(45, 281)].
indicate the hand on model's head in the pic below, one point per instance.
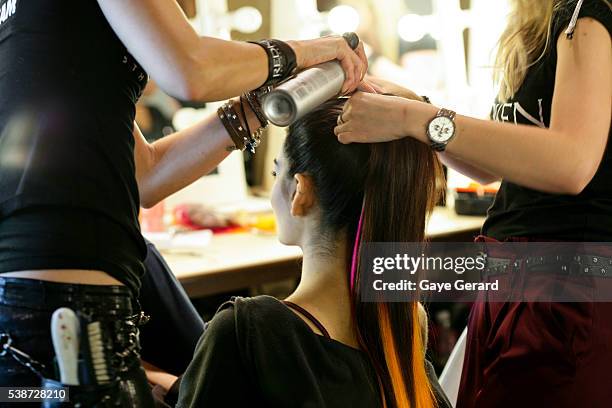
[(371, 118), (377, 112)]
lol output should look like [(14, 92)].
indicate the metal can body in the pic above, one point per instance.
[(300, 95)]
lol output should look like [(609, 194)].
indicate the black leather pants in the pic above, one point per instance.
[(26, 307)]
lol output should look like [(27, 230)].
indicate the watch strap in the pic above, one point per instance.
[(438, 147), (447, 113)]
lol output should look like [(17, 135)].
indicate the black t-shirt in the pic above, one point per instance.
[(256, 352), (68, 89), (522, 212)]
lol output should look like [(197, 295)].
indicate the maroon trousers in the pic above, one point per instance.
[(524, 355)]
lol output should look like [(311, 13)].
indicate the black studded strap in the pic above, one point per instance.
[(575, 265)]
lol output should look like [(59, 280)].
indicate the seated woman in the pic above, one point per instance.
[(323, 347)]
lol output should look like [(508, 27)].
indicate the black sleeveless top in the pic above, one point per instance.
[(68, 89), (522, 212)]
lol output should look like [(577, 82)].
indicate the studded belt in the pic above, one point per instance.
[(571, 265)]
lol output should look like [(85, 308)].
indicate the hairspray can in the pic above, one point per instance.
[(307, 90)]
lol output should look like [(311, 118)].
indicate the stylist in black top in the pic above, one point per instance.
[(74, 168), (549, 143)]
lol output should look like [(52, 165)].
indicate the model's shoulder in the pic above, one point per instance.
[(263, 312)]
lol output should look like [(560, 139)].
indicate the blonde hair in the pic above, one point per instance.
[(524, 42)]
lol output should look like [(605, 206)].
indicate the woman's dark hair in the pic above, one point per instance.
[(394, 184)]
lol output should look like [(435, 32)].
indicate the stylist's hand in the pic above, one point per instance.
[(317, 51), (383, 86), (372, 118)]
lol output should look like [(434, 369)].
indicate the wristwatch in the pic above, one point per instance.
[(441, 129)]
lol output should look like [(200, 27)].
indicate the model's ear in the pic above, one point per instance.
[(304, 197)]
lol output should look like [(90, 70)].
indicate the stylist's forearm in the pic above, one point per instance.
[(552, 161), (223, 62), (182, 63), (184, 157), (469, 170)]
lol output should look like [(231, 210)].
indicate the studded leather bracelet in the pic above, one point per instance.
[(232, 123), (237, 125), (253, 99)]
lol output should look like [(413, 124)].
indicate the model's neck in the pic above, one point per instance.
[(324, 273), (324, 290)]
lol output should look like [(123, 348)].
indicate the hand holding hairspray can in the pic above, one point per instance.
[(310, 88)]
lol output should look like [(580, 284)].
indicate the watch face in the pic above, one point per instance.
[(441, 129)]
